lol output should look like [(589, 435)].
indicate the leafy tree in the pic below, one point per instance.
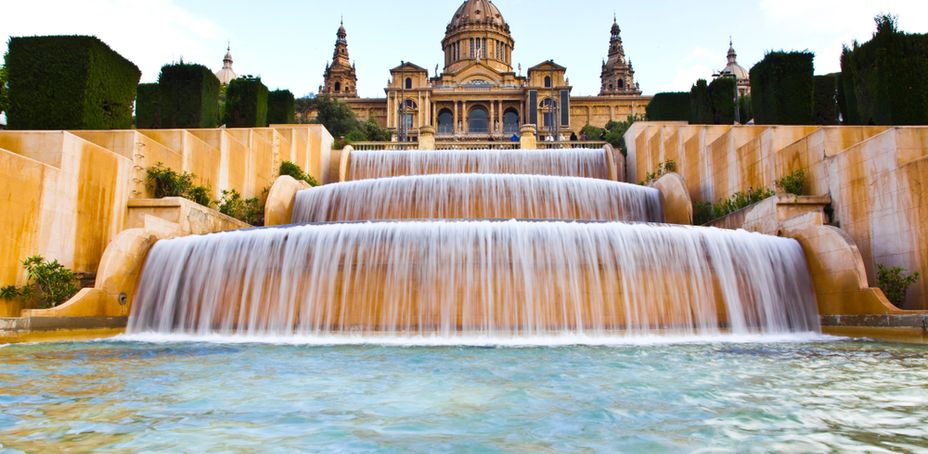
[(4, 100), (335, 115)]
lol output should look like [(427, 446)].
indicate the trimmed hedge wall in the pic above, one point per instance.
[(148, 107), (669, 107), (69, 82), (782, 87), (189, 97), (281, 108), (700, 109), (885, 80), (722, 100), (246, 104), (826, 100)]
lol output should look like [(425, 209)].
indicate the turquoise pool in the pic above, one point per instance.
[(638, 397)]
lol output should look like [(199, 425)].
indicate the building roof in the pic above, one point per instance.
[(733, 67), (477, 12), (226, 74)]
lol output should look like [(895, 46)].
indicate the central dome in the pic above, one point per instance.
[(477, 12)]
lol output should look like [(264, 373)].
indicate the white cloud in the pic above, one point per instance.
[(693, 67), (149, 33), (825, 25)]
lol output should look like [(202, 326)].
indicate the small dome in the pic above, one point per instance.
[(477, 12), (226, 74), (733, 67)]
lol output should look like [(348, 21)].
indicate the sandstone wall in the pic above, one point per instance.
[(65, 193), (873, 175)]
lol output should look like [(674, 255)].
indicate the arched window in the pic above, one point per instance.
[(409, 83), (479, 120), (621, 84), (547, 81), (510, 121), (445, 122), (338, 87), (411, 105)]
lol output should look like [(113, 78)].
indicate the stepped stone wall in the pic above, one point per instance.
[(877, 178), (65, 193)]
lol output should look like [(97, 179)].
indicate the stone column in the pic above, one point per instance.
[(499, 117), (427, 138), (464, 116), (528, 141), (455, 126)]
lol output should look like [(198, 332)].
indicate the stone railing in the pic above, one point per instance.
[(478, 145), (369, 146), (568, 144)]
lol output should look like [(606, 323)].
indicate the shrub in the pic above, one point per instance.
[(700, 110), (189, 96), (702, 213), (165, 182), (793, 183), (826, 100), (722, 100), (782, 87), (69, 82), (246, 103), (293, 170), (662, 169), (593, 132), (669, 107), (895, 282), (4, 99), (50, 283), (10, 292), (148, 106), (281, 108), (883, 81), (246, 210), (746, 109)]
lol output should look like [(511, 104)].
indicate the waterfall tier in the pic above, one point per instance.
[(475, 278), (569, 163), (474, 196)]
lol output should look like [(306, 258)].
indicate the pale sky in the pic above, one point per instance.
[(287, 43)]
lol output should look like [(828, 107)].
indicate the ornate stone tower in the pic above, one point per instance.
[(618, 76), (341, 79)]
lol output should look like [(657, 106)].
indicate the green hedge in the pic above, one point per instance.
[(246, 104), (700, 109), (746, 109), (69, 82), (722, 100), (148, 106), (669, 107), (189, 96), (826, 100), (281, 108), (782, 88), (885, 80)]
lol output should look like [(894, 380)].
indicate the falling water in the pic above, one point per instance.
[(565, 162), (474, 196), (475, 279)]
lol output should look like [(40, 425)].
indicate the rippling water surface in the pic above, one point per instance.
[(196, 396)]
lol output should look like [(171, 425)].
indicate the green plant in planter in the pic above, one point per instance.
[(50, 283), (895, 282), (793, 183), (165, 182), (293, 170), (246, 210)]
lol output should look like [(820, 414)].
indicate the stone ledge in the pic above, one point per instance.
[(880, 321)]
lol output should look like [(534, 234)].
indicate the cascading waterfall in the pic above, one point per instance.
[(563, 162), (484, 278), (475, 196), (435, 265)]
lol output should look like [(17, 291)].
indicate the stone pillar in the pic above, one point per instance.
[(464, 117), (455, 126), (491, 128), (427, 138), (499, 117), (528, 141)]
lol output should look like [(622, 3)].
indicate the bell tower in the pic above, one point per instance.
[(341, 79), (618, 75)]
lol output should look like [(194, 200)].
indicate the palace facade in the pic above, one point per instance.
[(478, 95)]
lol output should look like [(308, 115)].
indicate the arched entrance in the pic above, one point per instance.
[(510, 121), (478, 121), (445, 121)]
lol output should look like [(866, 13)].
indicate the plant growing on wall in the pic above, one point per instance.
[(165, 182), (293, 170), (663, 168), (895, 282), (703, 212), (49, 284), (233, 204), (793, 183)]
